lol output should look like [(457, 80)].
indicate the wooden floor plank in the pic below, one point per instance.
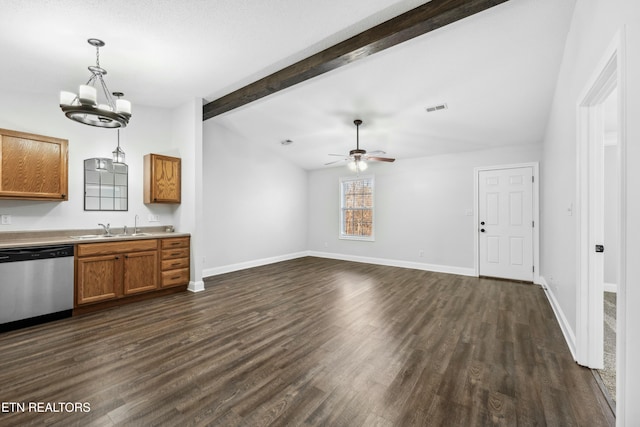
[(309, 342)]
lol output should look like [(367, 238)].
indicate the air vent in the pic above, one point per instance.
[(286, 142), (436, 108)]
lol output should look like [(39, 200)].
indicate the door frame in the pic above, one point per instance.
[(609, 74), (535, 214)]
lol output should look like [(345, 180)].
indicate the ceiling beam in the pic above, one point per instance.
[(421, 20)]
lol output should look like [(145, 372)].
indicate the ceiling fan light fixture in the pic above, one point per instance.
[(357, 158), (83, 107), (358, 165)]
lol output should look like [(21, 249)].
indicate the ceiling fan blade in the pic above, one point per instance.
[(337, 161), (340, 155), (376, 153), (381, 159)]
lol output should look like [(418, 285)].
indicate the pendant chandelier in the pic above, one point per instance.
[(84, 108), (118, 153)]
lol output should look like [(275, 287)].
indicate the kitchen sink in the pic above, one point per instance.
[(105, 236), (91, 236)]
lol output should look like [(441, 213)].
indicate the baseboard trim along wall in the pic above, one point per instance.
[(208, 272), (196, 286), (569, 335), (215, 271), (462, 271)]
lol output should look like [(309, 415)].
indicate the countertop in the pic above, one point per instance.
[(16, 239)]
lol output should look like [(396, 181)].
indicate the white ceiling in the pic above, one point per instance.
[(495, 70)]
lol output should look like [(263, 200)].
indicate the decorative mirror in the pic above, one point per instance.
[(105, 185)]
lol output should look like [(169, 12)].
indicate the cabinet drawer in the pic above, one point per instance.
[(117, 247), (175, 253), (175, 277), (177, 242), (172, 264)]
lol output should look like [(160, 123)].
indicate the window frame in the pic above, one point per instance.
[(341, 229)]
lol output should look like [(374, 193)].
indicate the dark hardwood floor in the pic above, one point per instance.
[(309, 342)]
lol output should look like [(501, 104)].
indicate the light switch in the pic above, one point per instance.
[(6, 219)]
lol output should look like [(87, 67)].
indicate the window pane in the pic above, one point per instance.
[(357, 207)]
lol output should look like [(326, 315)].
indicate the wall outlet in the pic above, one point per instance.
[(421, 253), (154, 218), (5, 219)]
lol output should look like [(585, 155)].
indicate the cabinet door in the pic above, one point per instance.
[(99, 278), (162, 179), (32, 166), (140, 272)]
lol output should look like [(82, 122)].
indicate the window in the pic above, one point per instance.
[(356, 208)]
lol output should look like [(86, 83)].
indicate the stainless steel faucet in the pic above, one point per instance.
[(135, 224), (106, 228)]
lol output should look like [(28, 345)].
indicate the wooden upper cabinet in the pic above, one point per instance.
[(162, 179), (33, 166)]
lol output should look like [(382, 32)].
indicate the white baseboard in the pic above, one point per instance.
[(611, 287), (208, 272), (569, 335), (462, 271), (197, 286)]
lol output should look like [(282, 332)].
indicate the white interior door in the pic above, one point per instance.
[(505, 213)]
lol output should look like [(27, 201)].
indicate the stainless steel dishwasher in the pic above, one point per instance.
[(36, 285)]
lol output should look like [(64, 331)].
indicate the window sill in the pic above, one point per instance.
[(358, 238)]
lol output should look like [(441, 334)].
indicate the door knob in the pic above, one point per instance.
[(482, 230), (482, 223)]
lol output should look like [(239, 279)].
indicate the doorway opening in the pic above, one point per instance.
[(600, 234)]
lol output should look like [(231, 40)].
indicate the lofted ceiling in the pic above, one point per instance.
[(496, 70)]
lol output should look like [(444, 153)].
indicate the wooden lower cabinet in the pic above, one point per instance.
[(140, 272), (175, 261), (116, 271), (98, 278)]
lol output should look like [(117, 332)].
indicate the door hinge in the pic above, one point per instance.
[(533, 268), (533, 178), (533, 224)]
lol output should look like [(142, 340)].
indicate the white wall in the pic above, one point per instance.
[(187, 136), (594, 25), (255, 203), (421, 204), (148, 131)]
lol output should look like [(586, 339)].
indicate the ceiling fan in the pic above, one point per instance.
[(358, 156)]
